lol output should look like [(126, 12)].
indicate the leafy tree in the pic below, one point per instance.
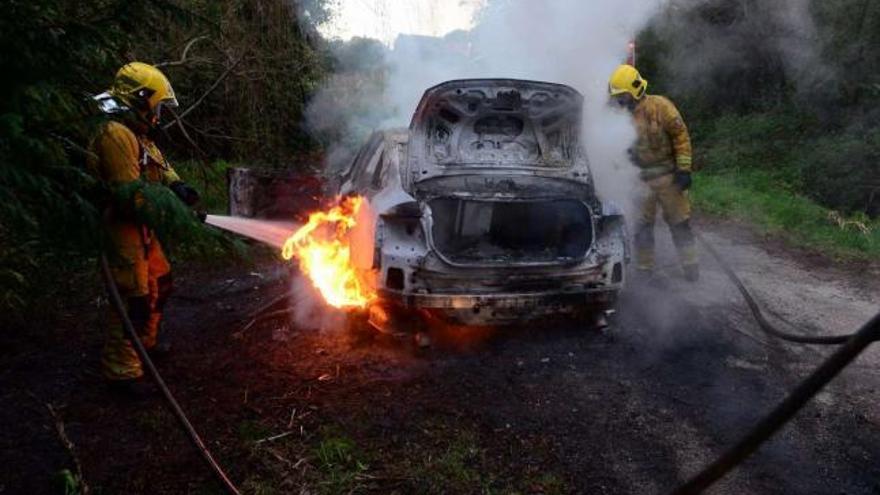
[(814, 64), (248, 72)]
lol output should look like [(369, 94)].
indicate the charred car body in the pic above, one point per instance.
[(484, 211)]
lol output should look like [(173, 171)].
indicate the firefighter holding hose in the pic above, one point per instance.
[(663, 154), (123, 156)]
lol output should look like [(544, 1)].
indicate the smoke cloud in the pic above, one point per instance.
[(706, 45), (310, 312), (727, 49), (565, 41)]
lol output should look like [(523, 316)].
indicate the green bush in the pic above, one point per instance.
[(758, 198), (761, 141), (842, 170), (785, 173), (252, 73), (838, 168), (209, 178)]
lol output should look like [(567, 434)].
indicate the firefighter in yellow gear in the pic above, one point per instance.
[(123, 153), (663, 154)]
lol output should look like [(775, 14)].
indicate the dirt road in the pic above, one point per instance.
[(550, 408)]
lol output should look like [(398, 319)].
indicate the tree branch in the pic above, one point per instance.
[(204, 95), (183, 60)]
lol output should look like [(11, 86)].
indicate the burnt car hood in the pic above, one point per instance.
[(497, 126)]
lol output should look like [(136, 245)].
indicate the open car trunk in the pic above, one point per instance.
[(494, 232), (493, 125)]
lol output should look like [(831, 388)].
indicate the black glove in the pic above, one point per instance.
[(202, 215), (187, 194), (682, 180)]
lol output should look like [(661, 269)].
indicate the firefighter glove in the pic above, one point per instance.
[(185, 192), (683, 180)]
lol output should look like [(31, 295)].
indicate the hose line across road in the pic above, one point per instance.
[(851, 346), (765, 324), (786, 410), (116, 301)]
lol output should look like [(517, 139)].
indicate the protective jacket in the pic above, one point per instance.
[(663, 145), (121, 156), (140, 269)]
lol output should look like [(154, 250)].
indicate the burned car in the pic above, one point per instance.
[(483, 211)]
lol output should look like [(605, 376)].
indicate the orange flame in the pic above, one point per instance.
[(322, 248)]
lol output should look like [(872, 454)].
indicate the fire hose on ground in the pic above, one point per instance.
[(765, 324), (116, 301), (852, 346)]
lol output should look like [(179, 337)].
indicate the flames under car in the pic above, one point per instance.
[(484, 210)]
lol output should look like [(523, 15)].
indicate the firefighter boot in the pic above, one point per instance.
[(644, 241), (685, 243)]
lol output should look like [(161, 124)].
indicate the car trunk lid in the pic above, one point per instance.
[(495, 126)]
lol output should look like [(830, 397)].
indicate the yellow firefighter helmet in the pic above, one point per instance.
[(144, 88), (626, 79)]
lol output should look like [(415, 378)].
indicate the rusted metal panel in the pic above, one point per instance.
[(281, 194)]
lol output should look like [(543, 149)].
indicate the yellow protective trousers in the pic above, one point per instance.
[(140, 269), (676, 208), (143, 276)]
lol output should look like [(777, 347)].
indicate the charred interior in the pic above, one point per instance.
[(470, 231)]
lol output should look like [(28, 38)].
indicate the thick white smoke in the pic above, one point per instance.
[(711, 42), (310, 312), (568, 41), (573, 42)]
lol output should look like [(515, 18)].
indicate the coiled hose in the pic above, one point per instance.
[(852, 346), (116, 301)]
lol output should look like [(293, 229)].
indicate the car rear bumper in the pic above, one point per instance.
[(504, 308)]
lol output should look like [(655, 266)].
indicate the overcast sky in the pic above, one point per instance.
[(385, 19)]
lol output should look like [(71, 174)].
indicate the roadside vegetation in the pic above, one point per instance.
[(753, 197), (782, 102), (770, 170), (243, 70), (435, 458)]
